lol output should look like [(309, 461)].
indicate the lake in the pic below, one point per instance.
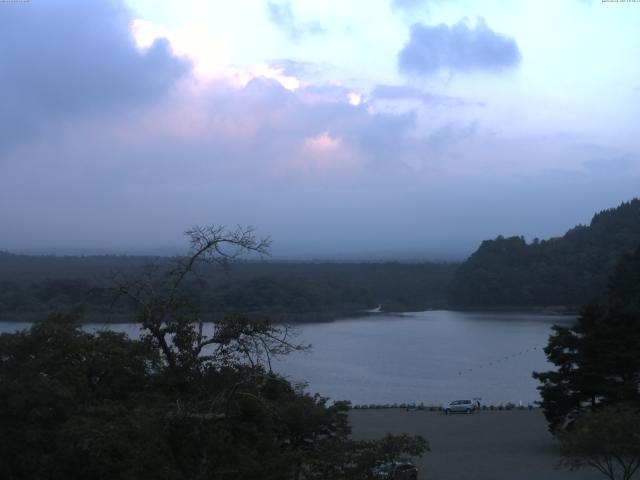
[(429, 357)]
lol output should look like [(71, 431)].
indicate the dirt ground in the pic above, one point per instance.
[(487, 445)]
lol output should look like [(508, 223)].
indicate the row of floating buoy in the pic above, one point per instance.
[(500, 360), (437, 408)]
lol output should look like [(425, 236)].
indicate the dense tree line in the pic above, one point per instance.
[(571, 270), (296, 291)]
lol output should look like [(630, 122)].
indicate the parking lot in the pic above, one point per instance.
[(487, 445)]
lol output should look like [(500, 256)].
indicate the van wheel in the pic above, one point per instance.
[(468, 410)]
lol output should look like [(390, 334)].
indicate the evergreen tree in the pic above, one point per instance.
[(597, 359)]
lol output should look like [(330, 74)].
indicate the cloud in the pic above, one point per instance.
[(294, 67), (281, 15), (613, 166), (407, 92), (71, 58), (130, 148), (258, 154), (302, 69), (263, 126), (450, 135), (457, 48), (304, 166), (410, 5), (324, 155)]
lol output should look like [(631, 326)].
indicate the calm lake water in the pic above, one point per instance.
[(429, 357)]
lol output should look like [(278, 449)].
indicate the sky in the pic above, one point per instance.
[(361, 129)]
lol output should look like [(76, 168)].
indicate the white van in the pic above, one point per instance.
[(459, 406)]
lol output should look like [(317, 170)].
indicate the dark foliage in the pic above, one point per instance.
[(597, 359), (567, 271), (180, 403), (32, 286), (607, 439), (77, 405)]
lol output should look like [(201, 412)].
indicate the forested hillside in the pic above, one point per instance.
[(294, 291), (570, 270)]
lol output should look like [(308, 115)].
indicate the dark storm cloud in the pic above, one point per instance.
[(457, 48), (281, 15), (62, 59)]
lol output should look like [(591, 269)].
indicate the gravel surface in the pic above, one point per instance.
[(487, 445)]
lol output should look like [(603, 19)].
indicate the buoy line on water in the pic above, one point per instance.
[(506, 358)]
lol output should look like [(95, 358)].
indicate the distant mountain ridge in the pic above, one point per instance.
[(565, 271)]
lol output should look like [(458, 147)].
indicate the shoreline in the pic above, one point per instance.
[(565, 310), (294, 318)]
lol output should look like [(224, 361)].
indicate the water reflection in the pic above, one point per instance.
[(429, 357)]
